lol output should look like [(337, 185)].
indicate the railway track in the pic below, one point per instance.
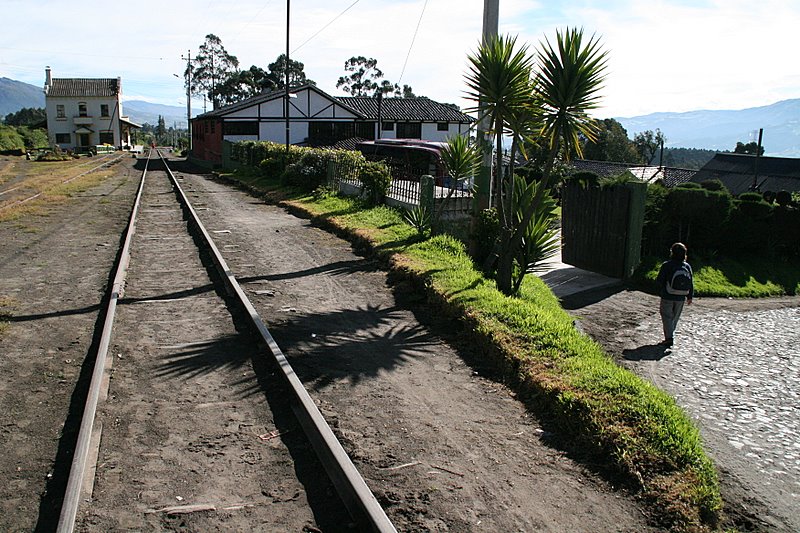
[(20, 195), (189, 419)]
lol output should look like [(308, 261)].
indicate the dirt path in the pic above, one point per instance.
[(735, 368), (54, 269), (443, 447)]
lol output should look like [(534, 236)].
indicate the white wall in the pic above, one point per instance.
[(275, 131), (67, 124)]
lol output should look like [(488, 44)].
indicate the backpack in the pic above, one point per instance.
[(681, 282)]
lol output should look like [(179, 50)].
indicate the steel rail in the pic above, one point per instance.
[(351, 487), (98, 385)]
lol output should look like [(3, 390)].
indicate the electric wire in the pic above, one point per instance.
[(325, 26), (402, 72)]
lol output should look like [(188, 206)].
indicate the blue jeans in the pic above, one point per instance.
[(670, 313)]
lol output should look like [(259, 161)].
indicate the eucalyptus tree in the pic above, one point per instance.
[(212, 66)]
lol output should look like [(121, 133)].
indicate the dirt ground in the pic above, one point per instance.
[(443, 445)]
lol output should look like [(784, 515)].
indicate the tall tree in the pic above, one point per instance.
[(648, 143), (212, 66), (751, 148), (363, 78), (161, 129), (612, 144), (297, 77)]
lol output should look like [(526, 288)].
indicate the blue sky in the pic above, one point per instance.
[(663, 55)]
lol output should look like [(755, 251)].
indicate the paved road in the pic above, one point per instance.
[(738, 375)]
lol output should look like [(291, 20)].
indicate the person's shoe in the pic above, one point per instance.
[(666, 342)]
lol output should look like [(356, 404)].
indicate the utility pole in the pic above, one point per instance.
[(286, 76), (491, 16), (188, 59), (758, 156)]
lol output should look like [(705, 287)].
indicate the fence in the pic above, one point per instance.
[(404, 190), (601, 228)]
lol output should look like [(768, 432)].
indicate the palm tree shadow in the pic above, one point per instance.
[(647, 352)]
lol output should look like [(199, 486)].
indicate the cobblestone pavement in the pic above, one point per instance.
[(738, 375)]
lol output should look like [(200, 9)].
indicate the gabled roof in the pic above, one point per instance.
[(419, 109), (605, 169), (77, 87), (737, 172), (269, 96)]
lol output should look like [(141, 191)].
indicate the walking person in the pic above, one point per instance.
[(677, 287)]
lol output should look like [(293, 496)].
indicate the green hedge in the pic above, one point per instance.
[(708, 219)]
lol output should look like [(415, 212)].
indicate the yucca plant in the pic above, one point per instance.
[(462, 161), (567, 87), (418, 218)]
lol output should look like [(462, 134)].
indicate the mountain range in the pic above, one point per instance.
[(709, 129), (14, 95)]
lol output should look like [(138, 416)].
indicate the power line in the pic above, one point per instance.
[(402, 72), (241, 30), (325, 26)]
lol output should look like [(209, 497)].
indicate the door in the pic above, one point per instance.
[(83, 140)]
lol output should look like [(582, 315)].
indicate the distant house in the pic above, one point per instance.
[(668, 176), (319, 119), (738, 173), (85, 112)]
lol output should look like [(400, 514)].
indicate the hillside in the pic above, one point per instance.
[(720, 130), (14, 95), (140, 112)]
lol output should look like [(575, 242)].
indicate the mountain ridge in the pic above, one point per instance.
[(708, 129)]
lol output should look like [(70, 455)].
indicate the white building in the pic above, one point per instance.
[(319, 119), (83, 113)]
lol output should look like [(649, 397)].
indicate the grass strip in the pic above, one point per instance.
[(618, 420), (732, 278)]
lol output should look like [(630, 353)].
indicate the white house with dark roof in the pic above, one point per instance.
[(83, 113), (319, 119)]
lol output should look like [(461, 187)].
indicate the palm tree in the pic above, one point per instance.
[(461, 160), (567, 87), (499, 80)]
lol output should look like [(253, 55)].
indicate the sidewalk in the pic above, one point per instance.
[(566, 280)]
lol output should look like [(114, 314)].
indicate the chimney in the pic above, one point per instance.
[(48, 80)]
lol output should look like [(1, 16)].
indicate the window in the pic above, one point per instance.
[(103, 110), (249, 127), (387, 126), (442, 126), (106, 137), (82, 110), (409, 130), (62, 138), (60, 111), (365, 130)]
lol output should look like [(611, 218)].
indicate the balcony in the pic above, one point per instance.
[(82, 120)]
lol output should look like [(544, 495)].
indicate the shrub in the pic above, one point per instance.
[(376, 179), (10, 139), (486, 230), (713, 185)]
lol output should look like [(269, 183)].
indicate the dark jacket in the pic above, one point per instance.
[(668, 268)]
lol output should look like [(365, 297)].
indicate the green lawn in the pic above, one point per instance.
[(622, 423), (757, 277)]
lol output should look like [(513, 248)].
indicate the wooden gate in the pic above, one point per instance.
[(601, 228)]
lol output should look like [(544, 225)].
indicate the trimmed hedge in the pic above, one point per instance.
[(708, 219)]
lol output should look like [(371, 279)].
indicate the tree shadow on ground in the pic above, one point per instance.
[(350, 345), (337, 268), (647, 352)]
